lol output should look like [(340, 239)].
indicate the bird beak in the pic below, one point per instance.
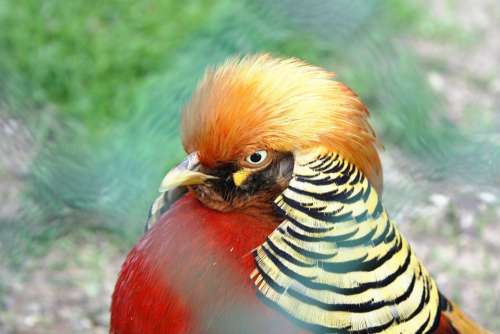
[(185, 174)]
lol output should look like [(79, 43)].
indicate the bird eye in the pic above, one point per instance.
[(257, 158)]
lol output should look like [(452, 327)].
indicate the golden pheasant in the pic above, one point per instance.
[(274, 222)]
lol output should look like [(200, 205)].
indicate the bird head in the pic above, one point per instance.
[(250, 116)]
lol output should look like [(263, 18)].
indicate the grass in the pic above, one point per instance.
[(88, 58)]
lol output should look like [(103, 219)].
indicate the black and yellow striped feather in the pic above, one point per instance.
[(337, 263)]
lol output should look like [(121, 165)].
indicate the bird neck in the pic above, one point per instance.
[(328, 193), (337, 261)]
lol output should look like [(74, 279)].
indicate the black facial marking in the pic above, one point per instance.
[(267, 178), (280, 170)]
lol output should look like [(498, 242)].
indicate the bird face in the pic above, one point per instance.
[(249, 184), (247, 120)]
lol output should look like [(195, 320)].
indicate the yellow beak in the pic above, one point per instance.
[(184, 174)]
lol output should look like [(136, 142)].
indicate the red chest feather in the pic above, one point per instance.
[(190, 274)]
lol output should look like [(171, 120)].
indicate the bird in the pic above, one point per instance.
[(274, 222)]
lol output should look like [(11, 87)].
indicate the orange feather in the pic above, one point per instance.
[(259, 102)]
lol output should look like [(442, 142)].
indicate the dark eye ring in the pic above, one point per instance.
[(257, 157)]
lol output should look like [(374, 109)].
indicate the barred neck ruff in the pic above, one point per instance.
[(337, 263)]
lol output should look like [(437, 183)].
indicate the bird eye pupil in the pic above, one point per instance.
[(256, 157)]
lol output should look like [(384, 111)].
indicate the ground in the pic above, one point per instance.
[(453, 228)]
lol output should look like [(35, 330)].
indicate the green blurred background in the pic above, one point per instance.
[(90, 95)]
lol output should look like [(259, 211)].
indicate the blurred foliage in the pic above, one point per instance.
[(88, 57), (118, 72)]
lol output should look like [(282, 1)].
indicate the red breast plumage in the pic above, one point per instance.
[(190, 274)]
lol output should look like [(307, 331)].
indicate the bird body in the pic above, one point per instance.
[(190, 274), (283, 229)]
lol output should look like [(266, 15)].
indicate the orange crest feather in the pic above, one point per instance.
[(260, 102)]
